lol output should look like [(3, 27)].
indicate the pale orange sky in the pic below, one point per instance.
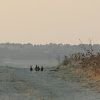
[(46, 21)]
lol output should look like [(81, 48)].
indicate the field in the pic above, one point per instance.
[(21, 84)]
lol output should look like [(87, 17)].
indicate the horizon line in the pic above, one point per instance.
[(44, 43)]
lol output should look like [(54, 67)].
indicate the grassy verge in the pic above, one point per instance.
[(84, 70)]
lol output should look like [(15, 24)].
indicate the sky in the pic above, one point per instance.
[(49, 21)]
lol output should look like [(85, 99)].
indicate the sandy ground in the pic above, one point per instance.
[(21, 84)]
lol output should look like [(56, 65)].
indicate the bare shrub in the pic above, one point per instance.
[(65, 61)]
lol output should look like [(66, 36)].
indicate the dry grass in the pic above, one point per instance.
[(88, 67), (79, 71), (92, 65)]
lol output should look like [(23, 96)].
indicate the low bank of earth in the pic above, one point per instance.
[(51, 84)]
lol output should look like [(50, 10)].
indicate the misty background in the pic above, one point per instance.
[(24, 55)]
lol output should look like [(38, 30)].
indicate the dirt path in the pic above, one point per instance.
[(20, 84)]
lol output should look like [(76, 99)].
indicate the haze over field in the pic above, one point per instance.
[(24, 55)]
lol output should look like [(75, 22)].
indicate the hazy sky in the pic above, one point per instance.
[(46, 21)]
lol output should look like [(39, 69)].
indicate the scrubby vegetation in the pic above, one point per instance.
[(65, 61), (89, 62), (92, 62), (83, 68)]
